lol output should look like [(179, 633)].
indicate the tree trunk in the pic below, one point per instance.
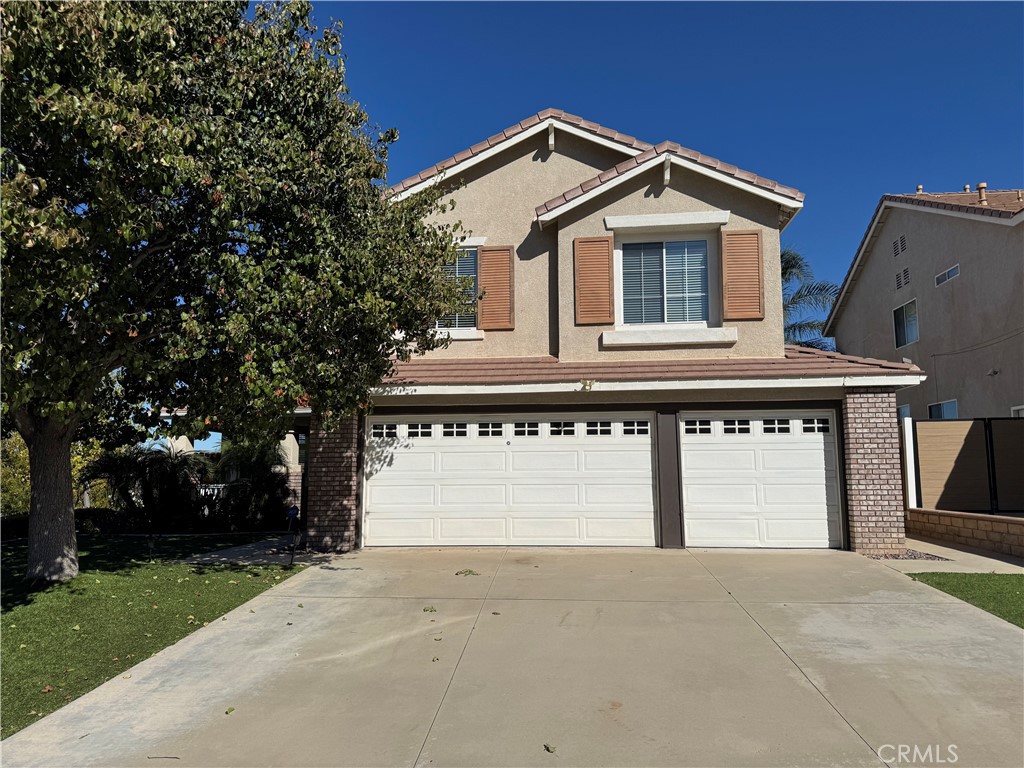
[(52, 545)]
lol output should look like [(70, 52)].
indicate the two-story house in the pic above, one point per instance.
[(624, 379), (938, 279)]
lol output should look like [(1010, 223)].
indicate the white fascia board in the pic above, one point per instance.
[(656, 161), (530, 132), (894, 380), (657, 221)]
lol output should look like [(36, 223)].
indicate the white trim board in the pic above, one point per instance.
[(656, 162), (894, 380), (501, 146), (666, 221)]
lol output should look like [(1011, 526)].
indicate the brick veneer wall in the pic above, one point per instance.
[(332, 487), (994, 533), (874, 480)]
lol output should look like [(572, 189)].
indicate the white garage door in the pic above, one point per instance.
[(509, 479), (760, 479)]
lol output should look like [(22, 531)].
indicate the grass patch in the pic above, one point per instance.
[(1001, 594), (130, 600)]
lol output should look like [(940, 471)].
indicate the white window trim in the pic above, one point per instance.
[(471, 242), (714, 297), (460, 334), (466, 334), (946, 272), (667, 222), (893, 315), (944, 402)]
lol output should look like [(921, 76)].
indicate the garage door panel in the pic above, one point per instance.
[(479, 495), (756, 479), (405, 530), (619, 529), (719, 458), (542, 529), (558, 480), (545, 461), (793, 459), (618, 495), (795, 532), (475, 528), (402, 495), (470, 461), (619, 461), (546, 494), (709, 491), (732, 532)]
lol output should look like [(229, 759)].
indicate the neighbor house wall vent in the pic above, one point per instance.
[(903, 279)]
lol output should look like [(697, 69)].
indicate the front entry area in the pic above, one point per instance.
[(509, 479), (760, 479)]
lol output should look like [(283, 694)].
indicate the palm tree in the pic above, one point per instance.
[(154, 483), (256, 481), (802, 296)]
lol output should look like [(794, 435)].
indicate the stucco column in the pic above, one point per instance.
[(874, 481), (332, 487)]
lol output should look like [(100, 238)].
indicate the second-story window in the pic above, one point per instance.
[(905, 325), (665, 282), (464, 267)]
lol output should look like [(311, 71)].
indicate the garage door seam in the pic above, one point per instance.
[(794, 663), (472, 629)]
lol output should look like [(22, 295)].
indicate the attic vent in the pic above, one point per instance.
[(902, 279), (899, 246)]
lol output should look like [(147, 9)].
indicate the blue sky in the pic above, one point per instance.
[(843, 101)]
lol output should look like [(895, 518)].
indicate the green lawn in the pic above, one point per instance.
[(127, 603), (1001, 594)]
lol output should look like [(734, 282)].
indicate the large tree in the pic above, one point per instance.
[(194, 217), (804, 300)]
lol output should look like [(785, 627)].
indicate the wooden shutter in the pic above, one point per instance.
[(496, 307), (595, 295), (742, 275)]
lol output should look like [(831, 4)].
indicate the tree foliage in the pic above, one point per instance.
[(194, 217), (804, 299)]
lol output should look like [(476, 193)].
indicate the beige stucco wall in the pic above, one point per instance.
[(687, 192), (959, 320), (497, 201)]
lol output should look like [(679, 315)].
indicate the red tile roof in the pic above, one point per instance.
[(1002, 203), (798, 363), (514, 130), (669, 147)]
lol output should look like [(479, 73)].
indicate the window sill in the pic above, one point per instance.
[(460, 334), (668, 337)]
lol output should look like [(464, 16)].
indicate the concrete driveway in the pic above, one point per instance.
[(559, 657)]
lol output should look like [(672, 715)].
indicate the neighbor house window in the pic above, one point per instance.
[(464, 267), (949, 274), (905, 323), (1017, 412), (902, 411), (665, 282), (944, 410)]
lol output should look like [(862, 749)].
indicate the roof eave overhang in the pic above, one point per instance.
[(657, 162), (898, 380), (501, 146)]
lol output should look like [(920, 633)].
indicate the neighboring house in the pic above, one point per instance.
[(938, 279), (623, 380)]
